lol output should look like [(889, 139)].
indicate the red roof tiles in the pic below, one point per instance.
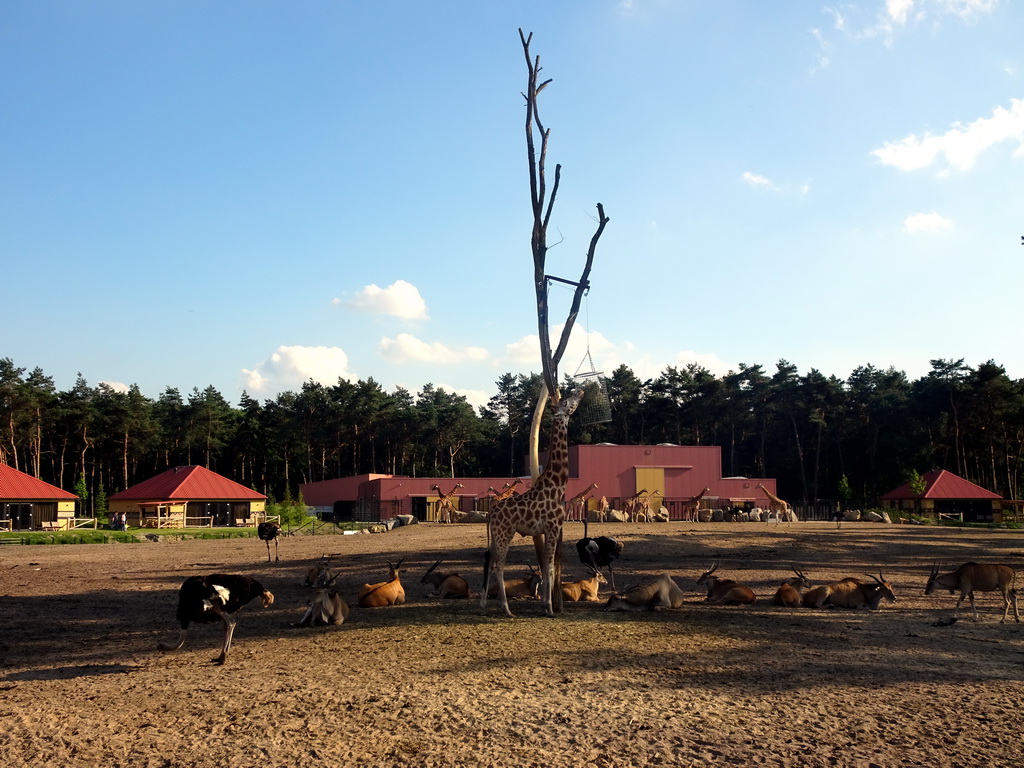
[(15, 485), (188, 484), (940, 484)]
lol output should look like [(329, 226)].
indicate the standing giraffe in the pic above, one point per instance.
[(629, 504), (577, 505), (539, 512), (507, 490), (776, 505), (644, 507), (444, 503), (690, 507)]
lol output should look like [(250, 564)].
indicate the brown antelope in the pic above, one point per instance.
[(321, 574), (725, 591), (584, 590), (325, 608), (527, 588), (983, 577), (388, 592), (663, 592), (789, 592), (850, 593), (445, 584)]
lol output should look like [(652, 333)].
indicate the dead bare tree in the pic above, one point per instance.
[(543, 202)]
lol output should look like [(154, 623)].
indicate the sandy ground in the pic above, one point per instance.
[(440, 684)]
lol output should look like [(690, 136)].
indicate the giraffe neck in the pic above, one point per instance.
[(556, 472)]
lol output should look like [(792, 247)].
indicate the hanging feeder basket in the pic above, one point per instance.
[(595, 407)]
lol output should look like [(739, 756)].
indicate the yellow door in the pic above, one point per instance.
[(653, 479)]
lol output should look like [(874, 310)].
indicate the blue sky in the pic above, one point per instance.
[(252, 194)]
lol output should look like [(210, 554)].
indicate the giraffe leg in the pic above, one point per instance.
[(546, 546), (496, 573)]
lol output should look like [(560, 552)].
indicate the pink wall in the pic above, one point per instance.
[(688, 469)]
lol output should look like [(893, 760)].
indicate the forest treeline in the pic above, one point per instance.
[(822, 437)]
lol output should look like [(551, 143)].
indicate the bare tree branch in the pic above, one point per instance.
[(543, 206)]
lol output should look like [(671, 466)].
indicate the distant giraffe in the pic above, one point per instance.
[(602, 509), (539, 512), (691, 506), (576, 507), (629, 504), (644, 507), (507, 490), (776, 505), (445, 508)]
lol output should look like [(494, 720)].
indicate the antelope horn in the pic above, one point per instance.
[(431, 568)]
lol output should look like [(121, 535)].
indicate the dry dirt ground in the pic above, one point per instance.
[(440, 684)]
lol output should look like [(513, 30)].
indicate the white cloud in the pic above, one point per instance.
[(868, 22), (898, 10), (758, 182), (960, 145), (525, 352), (475, 397), (967, 9), (117, 386), (406, 348), (288, 368), (400, 299), (927, 222), (606, 356)]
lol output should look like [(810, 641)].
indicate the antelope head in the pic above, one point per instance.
[(707, 576)]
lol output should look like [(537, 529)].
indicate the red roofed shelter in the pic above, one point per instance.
[(949, 496), (190, 496), (28, 504)]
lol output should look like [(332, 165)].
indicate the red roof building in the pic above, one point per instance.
[(30, 504), (192, 496), (946, 496)]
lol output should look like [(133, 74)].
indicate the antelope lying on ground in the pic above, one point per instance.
[(850, 593), (527, 588), (584, 590), (325, 607), (388, 592), (789, 593), (725, 591), (983, 577), (445, 584), (321, 574), (663, 592)]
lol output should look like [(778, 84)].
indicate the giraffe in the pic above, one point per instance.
[(602, 509), (629, 504), (507, 490), (776, 505), (444, 503), (690, 507), (539, 512), (577, 505), (644, 507)]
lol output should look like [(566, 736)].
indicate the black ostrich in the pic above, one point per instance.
[(599, 553), (269, 532), (206, 599)]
